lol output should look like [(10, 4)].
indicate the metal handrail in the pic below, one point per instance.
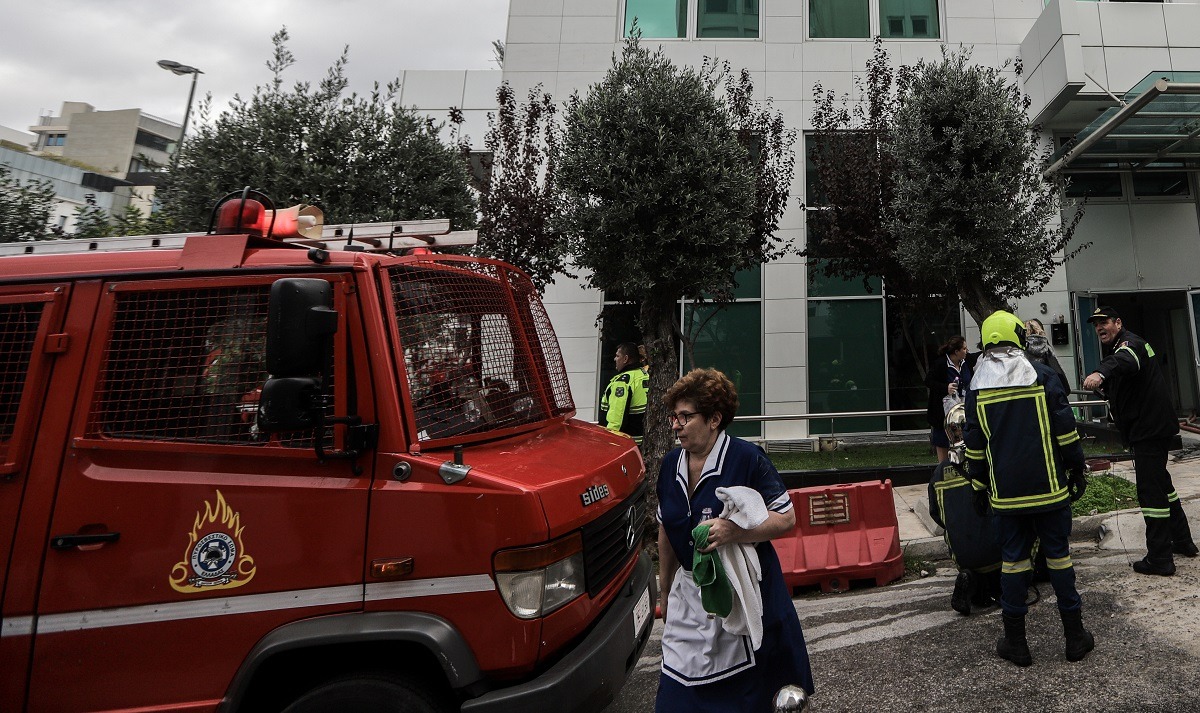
[(857, 414)]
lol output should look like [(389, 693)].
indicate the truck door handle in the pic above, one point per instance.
[(66, 542)]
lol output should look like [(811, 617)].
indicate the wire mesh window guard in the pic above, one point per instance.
[(478, 348), (186, 365), (18, 330)]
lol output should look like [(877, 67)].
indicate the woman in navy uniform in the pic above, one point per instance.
[(705, 667)]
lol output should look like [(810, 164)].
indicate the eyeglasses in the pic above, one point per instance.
[(681, 418)]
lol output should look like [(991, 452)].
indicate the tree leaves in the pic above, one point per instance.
[(360, 159), (25, 208)]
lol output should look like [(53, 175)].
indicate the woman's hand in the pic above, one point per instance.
[(725, 532), (952, 388), (722, 532)]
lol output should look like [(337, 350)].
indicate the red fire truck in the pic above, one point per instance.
[(326, 472)]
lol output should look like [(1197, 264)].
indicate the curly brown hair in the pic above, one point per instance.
[(710, 390)]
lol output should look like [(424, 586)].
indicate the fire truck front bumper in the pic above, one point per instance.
[(589, 677)]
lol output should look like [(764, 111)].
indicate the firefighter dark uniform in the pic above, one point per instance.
[(623, 406), (970, 536), (1023, 449), (1140, 404)]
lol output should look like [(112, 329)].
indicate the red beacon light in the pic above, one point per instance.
[(253, 213)]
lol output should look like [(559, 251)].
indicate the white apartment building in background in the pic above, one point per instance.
[(799, 343), (111, 158), (117, 143)]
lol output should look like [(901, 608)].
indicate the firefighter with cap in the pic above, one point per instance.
[(1024, 457), (1130, 379), (623, 406)]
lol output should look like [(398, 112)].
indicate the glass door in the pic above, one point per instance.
[(1193, 303)]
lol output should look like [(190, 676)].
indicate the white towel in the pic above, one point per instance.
[(745, 508)]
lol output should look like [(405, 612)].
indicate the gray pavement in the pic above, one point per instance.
[(901, 647)]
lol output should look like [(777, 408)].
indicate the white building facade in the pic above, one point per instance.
[(798, 343)]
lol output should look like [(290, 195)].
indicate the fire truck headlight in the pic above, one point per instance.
[(534, 581)]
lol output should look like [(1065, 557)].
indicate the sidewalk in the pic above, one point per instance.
[(921, 537)]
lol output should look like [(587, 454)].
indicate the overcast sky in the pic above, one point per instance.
[(103, 52)]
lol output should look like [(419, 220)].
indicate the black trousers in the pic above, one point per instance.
[(1165, 521)]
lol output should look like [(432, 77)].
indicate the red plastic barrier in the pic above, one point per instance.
[(843, 533)]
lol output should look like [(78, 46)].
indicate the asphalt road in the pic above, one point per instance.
[(902, 648)]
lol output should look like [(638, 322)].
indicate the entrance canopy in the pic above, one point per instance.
[(1157, 126)]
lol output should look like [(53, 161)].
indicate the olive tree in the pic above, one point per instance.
[(931, 179), (673, 180), (360, 159)]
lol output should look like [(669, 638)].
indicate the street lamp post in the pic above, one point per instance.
[(180, 70)]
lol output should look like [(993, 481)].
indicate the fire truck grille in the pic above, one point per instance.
[(186, 365), (18, 330), (610, 541), (478, 349)]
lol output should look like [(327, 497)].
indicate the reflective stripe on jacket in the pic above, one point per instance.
[(623, 406), (1021, 441)]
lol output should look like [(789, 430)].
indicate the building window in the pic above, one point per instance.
[(659, 19), (727, 18), (909, 18), (1160, 184), (857, 19), (726, 337), (56, 139), (846, 363), (839, 18), (671, 19), (729, 338), (151, 141)]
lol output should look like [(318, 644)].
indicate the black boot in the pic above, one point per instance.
[(1148, 566), (1158, 559), (1079, 640), (1013, 645), (1187, 549), (960, 600)]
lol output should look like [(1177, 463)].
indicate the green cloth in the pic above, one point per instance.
[(716, 594)]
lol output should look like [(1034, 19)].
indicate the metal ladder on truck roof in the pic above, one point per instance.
[(356, 237)]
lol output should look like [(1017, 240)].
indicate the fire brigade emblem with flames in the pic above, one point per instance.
[(215, 555)]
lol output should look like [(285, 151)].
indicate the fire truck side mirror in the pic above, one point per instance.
[(301, 323), (290, 404)]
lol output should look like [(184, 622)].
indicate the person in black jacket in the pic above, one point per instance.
[(1024, 457), (948, 376), (1130, 379)]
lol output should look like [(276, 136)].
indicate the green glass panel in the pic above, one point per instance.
[(749, 284), (1089, 343), (913, 339), (846, 364), (661, 19), (729, 338), (909, 18), (839, 18), (727, 18), (821, 286)]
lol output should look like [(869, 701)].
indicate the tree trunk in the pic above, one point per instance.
[(979, 301), (657, 321)]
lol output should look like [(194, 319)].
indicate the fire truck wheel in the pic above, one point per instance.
[(368, 693)]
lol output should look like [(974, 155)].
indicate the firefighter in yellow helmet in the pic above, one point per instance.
[(623, 406), (1024, 457)]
